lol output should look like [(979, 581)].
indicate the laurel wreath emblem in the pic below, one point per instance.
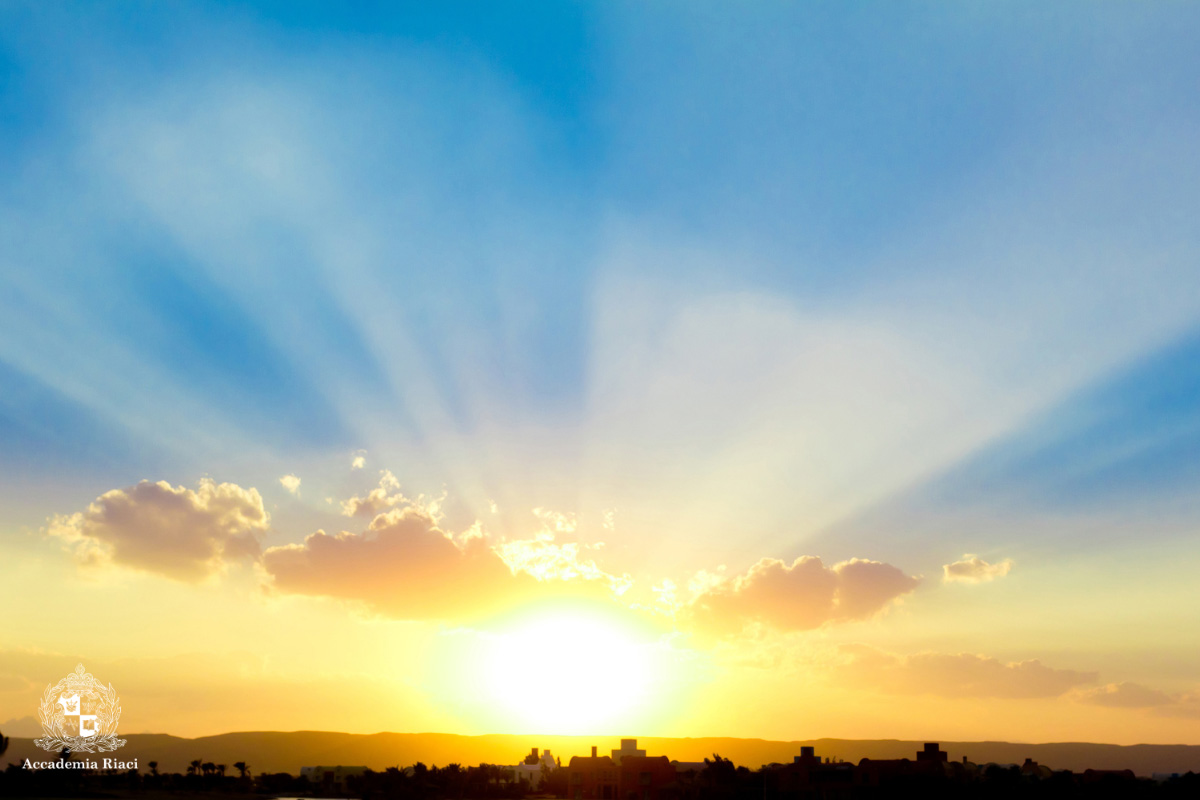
[(107, 714)]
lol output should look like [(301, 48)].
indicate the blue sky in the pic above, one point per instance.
[(638, 306), (816, 259)]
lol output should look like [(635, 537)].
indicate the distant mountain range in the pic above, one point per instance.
[(269, 751)]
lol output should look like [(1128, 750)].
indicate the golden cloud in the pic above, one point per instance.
[(386, 495), (793, 597), (1125, 695), (973, 569), (405, 566), (174, 531), (954, 674)]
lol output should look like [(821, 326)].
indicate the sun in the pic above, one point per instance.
[(572, 671)]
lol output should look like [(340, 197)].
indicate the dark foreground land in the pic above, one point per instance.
[(808, 777), (273, 751), (329, 765)]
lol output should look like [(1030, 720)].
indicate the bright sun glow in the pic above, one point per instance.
[(570, 672)]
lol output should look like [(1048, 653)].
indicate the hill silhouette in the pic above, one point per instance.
[(273, 751)]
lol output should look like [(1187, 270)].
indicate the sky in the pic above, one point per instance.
[(666, 369)]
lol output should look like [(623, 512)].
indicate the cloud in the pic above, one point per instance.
[(377, 500), (954, 675), (290, 482), (13, 683), (1183, 706), (549, 560), (973, 569), (173, 531), (799, 596), (405, 566), (359, 459), (555, 522), (1126, 695)]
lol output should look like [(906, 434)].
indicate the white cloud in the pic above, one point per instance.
[(546, 559), (386, 495), (556, 522), (183, 534), (973, 569), (291, 483)]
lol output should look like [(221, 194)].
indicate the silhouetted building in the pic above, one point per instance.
[(647, 778), (809, 777), (808, 756), (628, 748), (592, 778), (1107, 775), (932, 752), (531, 771), (932, 763), (330, 779)]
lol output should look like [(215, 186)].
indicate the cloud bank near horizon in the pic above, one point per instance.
[(404, 565), (956, 674)]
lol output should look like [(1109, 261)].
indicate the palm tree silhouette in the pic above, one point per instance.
[(194, 767), (221, 770), (242, 767), (3, 743)]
